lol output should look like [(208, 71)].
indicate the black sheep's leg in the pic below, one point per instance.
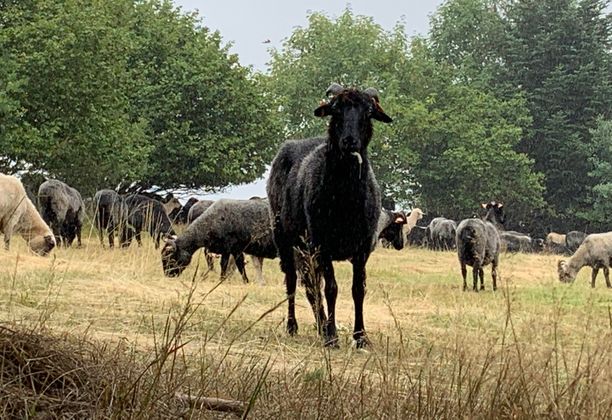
[(464, 275), (224, 264), (481, 275), (359, 291), (494, 273), (606, 271), (287, 265), (239, 258), (475, 269), (331, 293), (138, 236)]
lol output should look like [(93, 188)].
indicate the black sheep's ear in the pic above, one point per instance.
[(323, 110), (378, 113)]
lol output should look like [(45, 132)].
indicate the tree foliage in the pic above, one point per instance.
[(97, 93)]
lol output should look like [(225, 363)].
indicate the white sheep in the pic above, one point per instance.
[(595, 252), (412, 219), (18, 215)]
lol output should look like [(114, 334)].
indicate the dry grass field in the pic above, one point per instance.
[(93, 332)]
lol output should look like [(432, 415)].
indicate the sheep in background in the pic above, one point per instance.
[(325, 201), (595, 252), (390, 228), (18, 215), (111, 215), (441, 234), (229, 228), (417, 236), (146, 214), (573, 240), (197, 209), (478, 244), (555, 243), (512, 241), (62, 208), (181, 215), (411, 221)]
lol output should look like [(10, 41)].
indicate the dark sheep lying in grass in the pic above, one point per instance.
[(19, 215), (111, 214), (62, 208), (595, 252), (512, 241), (391, 228), (324, 190), (146, 214), (229, 228), (478, 244)]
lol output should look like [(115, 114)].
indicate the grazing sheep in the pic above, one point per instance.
[(228, 227), (171, 205), (147, 214), (417, 236), (390, 228), (595, 252), (573, 240), (111, 215), (325, 202), (478, 244), (197, 209), (62, 208), (441, 234), (18, 215)]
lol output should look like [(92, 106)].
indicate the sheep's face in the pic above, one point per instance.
[(42, 245), (394, 233), (564, 272), (351, 112), (174, 259), (495, 212)]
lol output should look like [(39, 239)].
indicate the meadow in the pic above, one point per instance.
[(93, 332)]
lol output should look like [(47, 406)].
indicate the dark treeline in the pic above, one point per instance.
[(505, 99)]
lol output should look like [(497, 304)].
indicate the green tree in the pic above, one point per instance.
[(208, 120), (558, 53), (64, 92), (600, 212), (355, 52)]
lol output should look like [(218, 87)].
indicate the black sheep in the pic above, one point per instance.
[(146, 214), (110, 215), (62, 208), (325, 201)]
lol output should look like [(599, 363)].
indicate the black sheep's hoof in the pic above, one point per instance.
[(331, 337), (475, 289), (362, 342), (332, 342), (292, 327), (482, 288)]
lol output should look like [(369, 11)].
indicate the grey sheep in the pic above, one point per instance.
[(478, 244), (441, 234), (595, 252), (228, 227), (62, 208)]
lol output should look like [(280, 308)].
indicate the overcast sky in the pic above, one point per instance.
[(249, 24)]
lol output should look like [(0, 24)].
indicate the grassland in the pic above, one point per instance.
[(534, 348)]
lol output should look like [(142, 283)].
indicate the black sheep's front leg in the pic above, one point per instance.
[(359, 290), (331, 293)]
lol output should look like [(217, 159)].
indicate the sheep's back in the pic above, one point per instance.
[(477, 241)]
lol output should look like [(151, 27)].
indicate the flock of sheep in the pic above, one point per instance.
[(323, 205)]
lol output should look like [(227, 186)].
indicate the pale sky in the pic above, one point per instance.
[(248, 23)]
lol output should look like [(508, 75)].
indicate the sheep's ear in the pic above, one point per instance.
[(483, 205), (561, 266), (378, 113), (323, 110), (400, 220)]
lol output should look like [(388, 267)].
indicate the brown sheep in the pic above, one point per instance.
[(595, 252)]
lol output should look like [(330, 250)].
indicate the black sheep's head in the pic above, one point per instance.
[(174, 259), (495, 212), (351, 112), (394, 232)]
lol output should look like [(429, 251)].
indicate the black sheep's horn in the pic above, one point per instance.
[(373, 93), (334, 89)]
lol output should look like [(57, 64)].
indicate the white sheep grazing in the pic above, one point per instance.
[(18, 215), (596, 252)]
